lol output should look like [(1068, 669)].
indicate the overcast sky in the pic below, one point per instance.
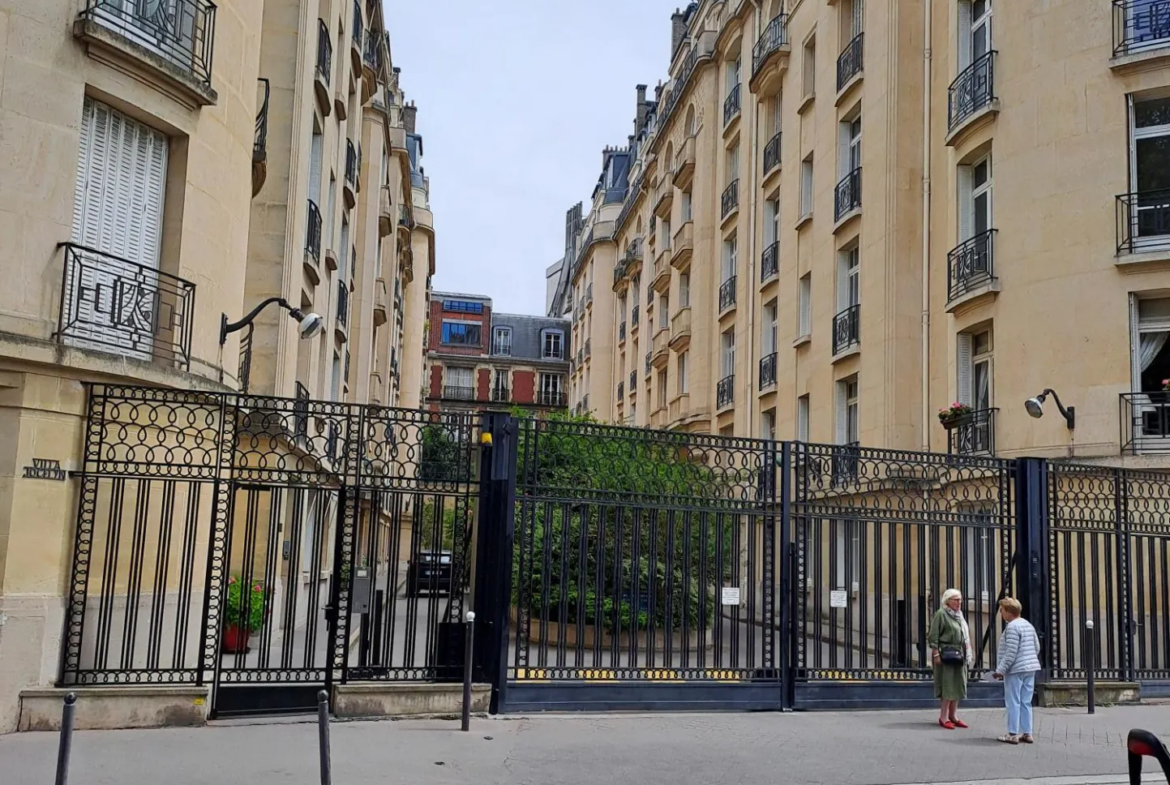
[(516, 100)]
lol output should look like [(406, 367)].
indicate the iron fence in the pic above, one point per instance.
[(182, 32), (847, 329), (972, 90), (112, 304), (324, 52), (971, 264), (1143, 221)]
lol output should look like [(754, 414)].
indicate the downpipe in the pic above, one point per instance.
[(753, 292), (925, 326)]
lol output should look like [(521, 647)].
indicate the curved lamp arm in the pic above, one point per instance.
[(1069, 414), (227, 328)]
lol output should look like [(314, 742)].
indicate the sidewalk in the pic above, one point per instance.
[(858, 748)]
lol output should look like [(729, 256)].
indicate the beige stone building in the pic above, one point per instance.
[(165, 169), (801, 239)]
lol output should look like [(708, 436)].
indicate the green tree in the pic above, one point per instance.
[(443, 457)]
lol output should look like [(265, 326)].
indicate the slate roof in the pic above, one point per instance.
[(526, 333)]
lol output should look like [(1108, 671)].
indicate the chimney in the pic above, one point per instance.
[(642, 110), (408, 117), (678, 29)]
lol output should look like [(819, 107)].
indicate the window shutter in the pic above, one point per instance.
[(842, 413), (1134, 344), (964, 362)]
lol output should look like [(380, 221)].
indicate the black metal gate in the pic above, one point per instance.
[(268, 547), (642, 571)]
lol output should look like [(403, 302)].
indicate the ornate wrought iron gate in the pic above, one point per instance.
[(270, 547)]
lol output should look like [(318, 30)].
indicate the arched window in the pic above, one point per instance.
[(690, 126)]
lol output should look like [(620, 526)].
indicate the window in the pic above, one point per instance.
[(805, 325), (808, 66), (733, 73), (684, 290), (461, 378), (663, 312), (122, 170), (683, 359), (771, 221), (846, 543), (974, 352), (974, 31), (730, 254), (329, 216), (343, 249), (500, 380), (974, 199), (727, 352), (847, 411), (462, 306), (686, 206), (775, 118), (850, 137), (316, 155), (461, 333), (733, 163), (554, 345), (806, 186), (1149, 175), (502, 340), (849, 279), (1150, 327), (665, 223), (853, 13), (335, 378), (768, 424), (802, 418), (550, 388), (661, 384), (979, 545), (768, 336)]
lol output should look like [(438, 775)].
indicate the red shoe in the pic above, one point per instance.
[(958, 723), (946, 724)]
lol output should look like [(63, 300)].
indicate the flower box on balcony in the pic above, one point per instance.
[(955, 415)]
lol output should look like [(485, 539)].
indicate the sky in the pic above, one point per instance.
[(516, 100)]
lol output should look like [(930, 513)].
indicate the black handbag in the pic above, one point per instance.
[(952, 655)]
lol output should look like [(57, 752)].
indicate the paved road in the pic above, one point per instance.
[(860, 748)]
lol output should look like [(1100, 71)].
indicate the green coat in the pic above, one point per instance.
[(950, 681)]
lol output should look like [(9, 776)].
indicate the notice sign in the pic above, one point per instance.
[(44, 469), (731, 595), (838, 599)]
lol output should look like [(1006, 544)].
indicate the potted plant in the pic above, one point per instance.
[(954, 415), (243, 615)]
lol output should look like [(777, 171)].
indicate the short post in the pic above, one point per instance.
[(467, 656), (323, 734), (66, 745), (1090, 665)]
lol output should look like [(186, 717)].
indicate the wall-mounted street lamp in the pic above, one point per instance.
[(1035, 407), (311, 324)]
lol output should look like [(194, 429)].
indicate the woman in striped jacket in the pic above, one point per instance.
[(1017, 665)]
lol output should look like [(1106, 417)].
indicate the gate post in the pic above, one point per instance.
[(495, 534), (1032, 568), (788, 588)]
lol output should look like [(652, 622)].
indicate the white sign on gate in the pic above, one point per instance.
[(838, 598), (731, 595)]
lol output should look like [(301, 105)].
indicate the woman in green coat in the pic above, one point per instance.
[(950, 651)]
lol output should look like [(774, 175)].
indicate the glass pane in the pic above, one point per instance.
[(1150, 113), (1153, 164), (982, 212), (983, 385)]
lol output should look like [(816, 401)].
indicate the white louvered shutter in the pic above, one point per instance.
[(963, 360)]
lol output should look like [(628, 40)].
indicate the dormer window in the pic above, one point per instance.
[(553, 345), (502, 340)]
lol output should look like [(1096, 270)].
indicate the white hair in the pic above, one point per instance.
[(951, 594)]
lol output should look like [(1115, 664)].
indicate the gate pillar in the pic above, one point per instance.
[(1032, 524)]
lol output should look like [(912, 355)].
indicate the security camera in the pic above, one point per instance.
[(312, 325)]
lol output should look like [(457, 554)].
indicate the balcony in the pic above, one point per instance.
[(260, 141), (849, 63), (971, 96), (731, 105), (1143, 222), (847, 196), (588, 348), (622, 332), (381, 303), (684, 168), (349, 187), (679, 408), (557, 399), (341, 326), (313, 243), (459, 393), (635, 314), (770, 263), (663, 198), (658, 418), (660, 347), (1140, 28), (501, 394), (680, 329), (972, 433), (175, 40), (405, 221), (727, 294), (1145, 423), (324, 70), (633, 382), (110, 304), (357, 39), (971, 269), (385, 213), (847, 330), (683, 247), (729, 202), (770, 56), (772, 155), (648, 364), (621, 391), (725, 392), (768, 372), (660, 281)]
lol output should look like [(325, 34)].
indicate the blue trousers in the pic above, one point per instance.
[(1017, 694)]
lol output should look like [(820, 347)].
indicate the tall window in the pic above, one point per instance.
[(974, 365), (806, 186), (854, 13), (974, 31), (550, 388), (329, 216), (684, 290), (775, 116), (335, 378), (768, 424), (316, 156), (554, 345), (502, 340), (768, 337), (661, 385), (808, 66), (1150, 342), (849, 279), (975, 199), (1150, 172), (727, 352), (683, 361), (805, 325), (461, 333), (663, 312), (771, 221), (850, 145), (730, 254), (665, 224), (733, 163), (500, 384), (802, 418), (686, 206), (848, 430), (733, 73)]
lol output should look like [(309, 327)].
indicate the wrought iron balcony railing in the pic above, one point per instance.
[(731, 105), (770, 262), (648, 364), (358, 31), (775, 35), (112, 304), (555, 398), (725, 392), (260, 144), (313, 232), (847, 329), (847, 195), (634, 317), (972, 90), (727, 294), (1143, 221), (621, 391), (501, 394), (768, 371), (1145, 423), (182, 32), (730, 199), (850, 60), (971, 264), (405, 216), (459, 393), (972, 433), (342, 304), (1140, 25), (351, 162), (324, 52), (301, 411), (633, 381), (772, 154), (622, 331)]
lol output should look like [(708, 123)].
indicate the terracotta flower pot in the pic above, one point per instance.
[(235, 640)]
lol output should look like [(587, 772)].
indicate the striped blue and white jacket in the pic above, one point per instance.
[(1019, 649)]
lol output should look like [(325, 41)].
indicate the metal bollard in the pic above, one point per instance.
[(66, 744), (323, 734), (1090, 666), (467, 654)]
